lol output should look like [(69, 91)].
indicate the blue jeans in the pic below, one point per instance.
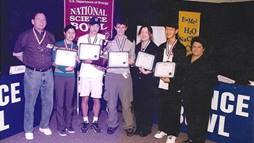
[(35, 82)]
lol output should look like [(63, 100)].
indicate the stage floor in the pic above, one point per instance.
[(90, 137)]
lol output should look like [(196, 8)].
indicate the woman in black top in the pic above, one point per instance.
[(198, 83), (144, 84)]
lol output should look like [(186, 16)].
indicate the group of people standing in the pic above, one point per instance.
[(136, 87)]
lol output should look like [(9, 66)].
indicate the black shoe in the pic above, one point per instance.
[(137, 132), (129, 132), (85, 127), (95, 127), (187, 141), (111, 130), (70, 130), (144, 133)]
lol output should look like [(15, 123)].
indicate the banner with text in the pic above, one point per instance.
[(231, 118), (189, 26), (79, 12), (12, 106)]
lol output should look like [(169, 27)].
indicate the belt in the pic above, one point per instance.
[(37, 69)]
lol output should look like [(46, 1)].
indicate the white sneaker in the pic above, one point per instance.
[(70, 130), (45, 131), (171, 139), (159, 134), (29, 136), (62, 133)]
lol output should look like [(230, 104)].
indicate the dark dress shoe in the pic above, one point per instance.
[(85, 127), (111, 130), (137, 132), (129, 132), (144, 133), (187, 141)]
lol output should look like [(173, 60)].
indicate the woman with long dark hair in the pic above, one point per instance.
[(144, 84)]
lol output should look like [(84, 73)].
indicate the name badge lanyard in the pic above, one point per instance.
[(169, 51), (94, 41), (66, 45), (39, 41), (121, 44), (145, 46), (143, 50)]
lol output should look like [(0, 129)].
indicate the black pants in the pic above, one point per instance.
[(197, 115), (64, 94), (169, 112), (143, 99)]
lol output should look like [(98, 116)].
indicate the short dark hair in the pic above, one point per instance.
[(171, 22), (94, 20), (173, 25), (36, 13), (69, 26), (122, 21), (199, 40)]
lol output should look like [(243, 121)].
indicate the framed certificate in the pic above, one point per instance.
[(164, 69), (145, 60), (65, 57), (89, 51), (118, 59)]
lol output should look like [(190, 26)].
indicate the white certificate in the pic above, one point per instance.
[(145, 60), (118, 59), (89, 51), (65, 57), (164, 69)]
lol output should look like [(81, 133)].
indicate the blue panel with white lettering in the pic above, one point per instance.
[(12, 105), (11, 112), (231, 119)]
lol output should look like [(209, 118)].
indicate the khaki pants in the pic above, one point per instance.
[(117, 86)]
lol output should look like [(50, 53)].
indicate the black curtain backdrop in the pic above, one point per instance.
[(2, 20), (228, 28)]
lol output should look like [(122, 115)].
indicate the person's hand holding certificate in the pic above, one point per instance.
[(101, 62), (118, 59), (65, 57), (164, 69), (89, 51), (145, 60)]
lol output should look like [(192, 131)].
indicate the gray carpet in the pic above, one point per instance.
[(90, 136)]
